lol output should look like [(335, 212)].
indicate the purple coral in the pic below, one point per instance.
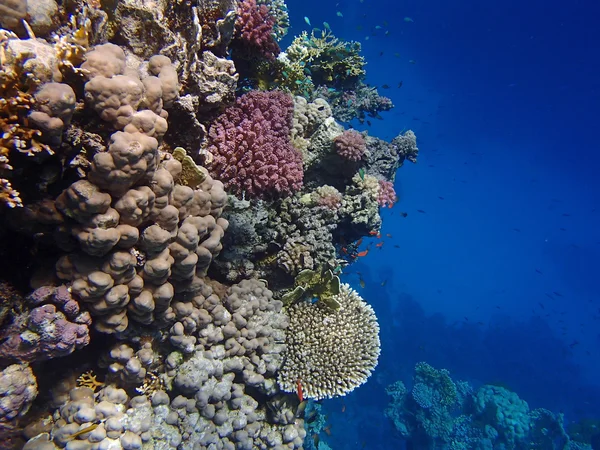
[(350, 145), (387, 194), (254, 28), (251, 148), (45, 332)]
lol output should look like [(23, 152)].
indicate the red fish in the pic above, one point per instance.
[(299, 390), (363, 253), (379, 244)]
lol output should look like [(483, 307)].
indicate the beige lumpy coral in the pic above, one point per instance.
[(330, 353)]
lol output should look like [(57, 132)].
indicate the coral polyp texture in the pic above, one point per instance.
[(251, 149), (330, 352), (174, 191)]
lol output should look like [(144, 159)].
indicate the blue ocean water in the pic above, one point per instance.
[(493, 272)]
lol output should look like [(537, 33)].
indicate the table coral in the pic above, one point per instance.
[(330, 353)]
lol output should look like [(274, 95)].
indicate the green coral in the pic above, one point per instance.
[(440, 380), (328, 60), (191, 175), (322, 284)]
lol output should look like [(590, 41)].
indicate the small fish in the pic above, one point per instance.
[(339, 14), (326, 26), (387, 32), (404, 214), (379, 245), (539, 271), (362, 283), (361, 172), (557, 293), (299, 390), (388, 235), (385, 86), (369, 122), (359, 28), (380, 53), (397, 55), (383, 283), (385, 24), (518, 230), (408, 20), (307, 20), (80, 432), (366, 38), (421, 211), (378, 27), (412, 61), (400, 85), (316, 440), (373, 233), (566, 215), (359, 242), (396, 246), (344, 408), (441, 198), (363, 253)]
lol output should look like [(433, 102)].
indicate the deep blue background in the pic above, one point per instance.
[(498, 280)]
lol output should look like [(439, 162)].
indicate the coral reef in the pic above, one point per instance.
[(441, 413), (179, 231)]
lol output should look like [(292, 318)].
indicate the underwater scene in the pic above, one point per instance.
[(274, 224)]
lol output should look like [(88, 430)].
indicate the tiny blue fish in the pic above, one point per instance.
[(339, 14), (408, 19), (326, 26), (307, 20)]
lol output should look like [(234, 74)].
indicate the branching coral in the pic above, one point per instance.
[(350, 145), (251, 146), (254, 32)]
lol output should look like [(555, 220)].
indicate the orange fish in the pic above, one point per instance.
[(363, 253), (344, 250), (379, 244), (359, 242), (300, 391), (388, 235), (378, 236), (373, 232)]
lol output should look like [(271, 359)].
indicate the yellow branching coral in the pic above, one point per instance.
[(330, 61), (88, 380)]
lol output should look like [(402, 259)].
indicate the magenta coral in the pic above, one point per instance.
[(250, 144), (387, 195), (254, 27), (350, 145), (46, 331)]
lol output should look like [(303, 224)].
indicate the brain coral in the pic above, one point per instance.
[(330, 352), (250, 143)]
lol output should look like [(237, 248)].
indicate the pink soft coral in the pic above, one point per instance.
[(254, 30), (250, 143), (387, 195), (350, 145)]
